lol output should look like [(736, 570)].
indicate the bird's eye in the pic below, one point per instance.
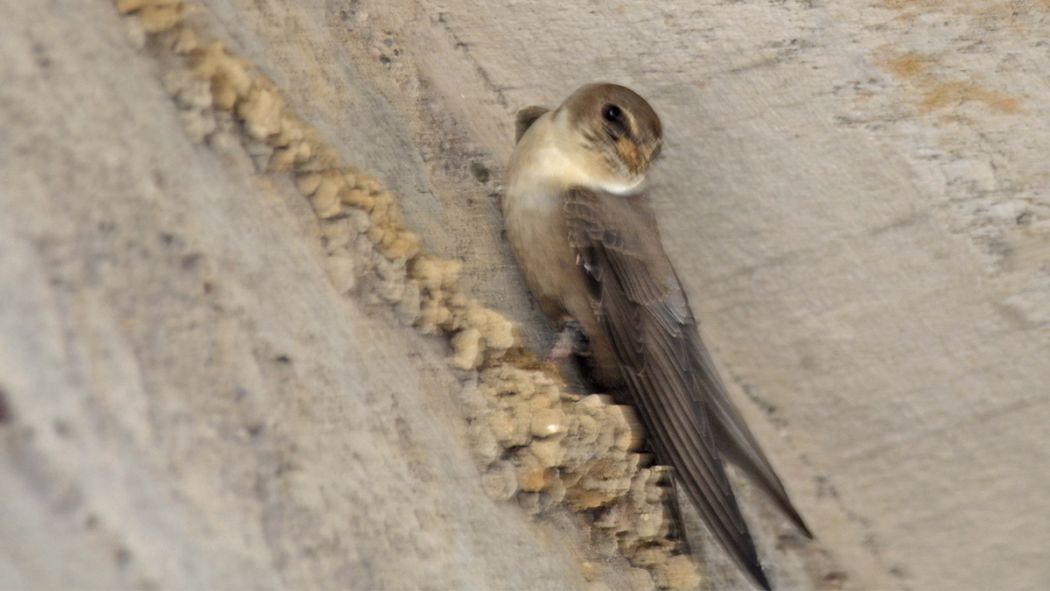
[(612, 113)]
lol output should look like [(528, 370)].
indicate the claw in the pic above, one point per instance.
[(569, 342)]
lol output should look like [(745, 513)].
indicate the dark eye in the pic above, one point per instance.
[(612, 113)]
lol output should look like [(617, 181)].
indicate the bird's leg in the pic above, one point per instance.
[(571, 340)]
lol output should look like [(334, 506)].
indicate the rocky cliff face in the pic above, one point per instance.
[(213, 366)]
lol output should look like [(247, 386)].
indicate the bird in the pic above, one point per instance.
[(581, 226)]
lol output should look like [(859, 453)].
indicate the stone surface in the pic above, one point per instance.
[(854, 193)]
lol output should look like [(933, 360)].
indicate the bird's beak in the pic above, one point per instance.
[(637, 158)]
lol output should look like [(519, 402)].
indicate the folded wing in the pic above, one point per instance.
[(670, 379)]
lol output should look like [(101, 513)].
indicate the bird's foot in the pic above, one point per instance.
[(570, 341)]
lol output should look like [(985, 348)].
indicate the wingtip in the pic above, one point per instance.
[(800, 524), (807, 532), (748, 559), (759, 576)]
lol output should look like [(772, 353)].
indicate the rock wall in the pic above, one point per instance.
[(855, 195)]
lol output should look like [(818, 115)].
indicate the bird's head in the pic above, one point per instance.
[(618, 134)]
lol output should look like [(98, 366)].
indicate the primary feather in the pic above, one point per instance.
[(665, 368)]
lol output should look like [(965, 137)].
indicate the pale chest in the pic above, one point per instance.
[(538, 237)]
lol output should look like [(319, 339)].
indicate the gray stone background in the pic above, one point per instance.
[(855, 193)]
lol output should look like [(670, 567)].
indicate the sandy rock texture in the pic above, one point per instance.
[(855, 194)]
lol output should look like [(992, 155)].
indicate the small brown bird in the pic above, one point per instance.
[(586, 239)]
